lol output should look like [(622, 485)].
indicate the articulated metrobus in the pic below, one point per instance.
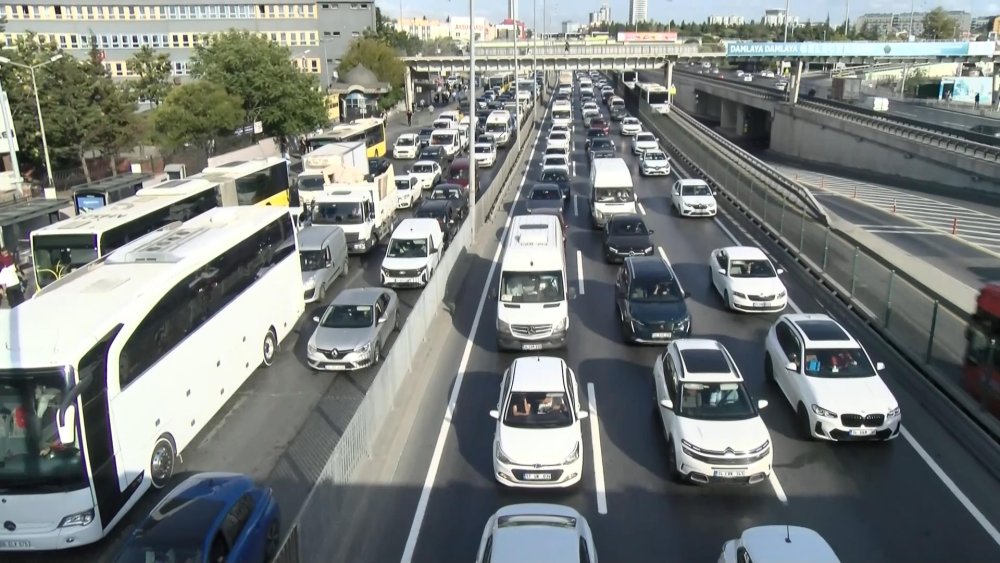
[(141, 350), (60, 248), (262, 181), (371, 130), (656, 95)]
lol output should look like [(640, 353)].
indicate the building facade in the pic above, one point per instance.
[(317, 33), (458, 29), (888, 25), (424, 28), (601, 16), (637, 11), (727, 21)]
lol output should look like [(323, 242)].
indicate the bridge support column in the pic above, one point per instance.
[(796, 82), (996, 85), (741, 119), (408, 89), (669, 78), (728, 117)]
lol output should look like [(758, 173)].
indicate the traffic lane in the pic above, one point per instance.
[(853, 479)]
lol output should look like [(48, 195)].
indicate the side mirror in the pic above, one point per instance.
[(652, 232), (667, 404), (582, 414), (383, 319), (686, 294), (762, 404), (316, 319), (371, 217), (66, 425), (495, 414), (792, 366), (722, 271), (780, 271), (879, 366)]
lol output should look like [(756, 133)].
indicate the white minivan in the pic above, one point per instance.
[(562, 113), (611, 190), (532, 294), (413, 253), (448, 139)]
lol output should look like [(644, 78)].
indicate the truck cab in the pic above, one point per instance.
[(366, 210)]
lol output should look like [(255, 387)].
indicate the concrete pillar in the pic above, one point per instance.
[(741, 119), (996, 85), (408, 89), (796, 82), (670, 79), (728, 118)]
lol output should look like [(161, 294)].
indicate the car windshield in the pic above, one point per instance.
[(422, 169), (407, 248), (696, 189), (654, 156), (446, 193), (459, 173), (432, 153), (751, 269), (538, 410), (311, 260), (561, 114), (602, 144), (663, 290), (630, 121), (426, 132), (375, 164), (552, 160), (442, 140), (343, 213), (545, 193), (531, 287), (644, 138), (628, 227), (402, 185), (484, 149), (715, 401), (348, 316), (597, 133), (837, 363), (405, 141), (310, 183), (557, 136), (495, 127), (613, 195), (554, 176)]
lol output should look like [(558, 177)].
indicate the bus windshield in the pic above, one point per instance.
[(494, 127), (343, 213), (56, 255), (32, 459)]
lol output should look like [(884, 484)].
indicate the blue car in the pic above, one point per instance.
[(208, 518)]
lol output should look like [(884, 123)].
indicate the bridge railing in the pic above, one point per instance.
[(620, 49)]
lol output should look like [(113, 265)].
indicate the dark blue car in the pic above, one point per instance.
[(208, 518)]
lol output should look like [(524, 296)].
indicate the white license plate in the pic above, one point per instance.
[(662, 334), (730, 472), (762, 304), (337, 367), (15, 544), (531, 346), (537, 476), (862, 432)]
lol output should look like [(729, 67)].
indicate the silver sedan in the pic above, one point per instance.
[(354, 329)]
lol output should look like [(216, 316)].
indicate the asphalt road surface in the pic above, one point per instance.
[(907, 500)]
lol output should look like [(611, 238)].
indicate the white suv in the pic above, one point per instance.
[(829, 380), (713, 427), (538, 441), (693, 198)]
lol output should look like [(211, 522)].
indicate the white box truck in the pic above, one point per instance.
[(366, 211), (336, 159)]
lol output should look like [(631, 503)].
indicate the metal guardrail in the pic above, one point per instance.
[(309, 533), (624, 50), (968, 143), (925, 326)]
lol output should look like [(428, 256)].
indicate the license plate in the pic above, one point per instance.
[(337, 367), (537, 476), (661, 334), (762, 304), (531, 346), (15, 544), (862, 432), (730, 472)]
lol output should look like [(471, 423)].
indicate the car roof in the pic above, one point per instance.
[(819, 330), (691, 182), (535, 543), (416, 228), (425, 162), (191, 509), (787, 544), (407, 136), (358, 296), (622, 217), (433, 205), (744, 253), (537, 374), (705, 360), (643, 266)]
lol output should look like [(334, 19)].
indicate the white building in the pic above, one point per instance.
[(777, 17), (458, 28), (727, 21), (423, 28), (637, 11), (570, 28)]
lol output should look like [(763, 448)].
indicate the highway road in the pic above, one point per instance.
[(282, 425), (902, 501)]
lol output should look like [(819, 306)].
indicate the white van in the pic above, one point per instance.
[(611, 190), (532, 294), (449, 139), (562, 113), (414, 252), (323, 255)]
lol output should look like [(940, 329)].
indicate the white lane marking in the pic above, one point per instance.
[(595, 446), (574, 168), (579, 270), (575, 199), (641, 208), (432, 469), (663, 254), (952, 487), (779, 491)]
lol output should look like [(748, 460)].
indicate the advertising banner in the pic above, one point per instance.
[(965, 88), (861, 49), (646, 36)]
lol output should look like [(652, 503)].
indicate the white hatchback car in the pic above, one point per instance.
[(538, 441), (829, 380), (407, 146), (522, 533), (778, 543), (693, 198), (654, 163), (558, 140), (712, 424), (427, 173), (630, 126), (644, 141), (559, 127), (746, 280)]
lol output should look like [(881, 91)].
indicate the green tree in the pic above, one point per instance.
[(261, 74), (380, 58), (153, 70), (197, 113), (939, 25)]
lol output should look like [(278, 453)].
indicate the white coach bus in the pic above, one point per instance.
[(115, 368)]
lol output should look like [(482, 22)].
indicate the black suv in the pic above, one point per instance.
[(650, 302), (626, 235)]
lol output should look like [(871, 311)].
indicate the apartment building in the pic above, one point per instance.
[(317, 33), (727, 21), (637, 11), (424, 28), (886, 24)]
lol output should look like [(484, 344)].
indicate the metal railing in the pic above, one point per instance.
[(526, 47), (309, 534), (924, 325)]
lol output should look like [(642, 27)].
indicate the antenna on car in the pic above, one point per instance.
[(788, 534)]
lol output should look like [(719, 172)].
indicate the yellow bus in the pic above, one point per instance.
[(371, 130), (261, 181)]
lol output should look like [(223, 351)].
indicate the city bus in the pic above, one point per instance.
[(981, 367), (94, 195), (141, 349), (62, 247), (260, 181), (371, 130), (501, 81), (656, 95)]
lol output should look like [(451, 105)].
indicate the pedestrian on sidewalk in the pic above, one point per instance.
[(409, 117), (977, 100)]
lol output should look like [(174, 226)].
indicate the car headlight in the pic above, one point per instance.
[(78, 519), (782, 293), (740, 295), (893, 413), (503, 326), (761, 448), (573, 455), (364, 348), (820, 411), (501, 456), (686, 204), (309, 283), (683, 324), (421, 270), (691, 446), (562, 324), (311, 348)]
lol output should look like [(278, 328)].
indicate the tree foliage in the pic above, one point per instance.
[(378, 57), (751, 31), (197, 113), (153, 70), (939, 25), (261, 74)]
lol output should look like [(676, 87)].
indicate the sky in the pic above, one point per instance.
[(665, 10)]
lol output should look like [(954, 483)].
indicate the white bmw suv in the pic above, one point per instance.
[(538, 442), (711, 422), (829, 380)]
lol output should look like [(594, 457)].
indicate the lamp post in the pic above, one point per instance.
[(50, 192), (785, 17), (473, 184), (534, 43)]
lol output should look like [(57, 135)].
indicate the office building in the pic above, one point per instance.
[(727, 21), (424, 28), (318, 33), (600, 17), (637, 11), (900, 23)]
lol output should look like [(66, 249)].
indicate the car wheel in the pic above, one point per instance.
[(725, 299), (161, 462), (672, 470), (272, 541), (378, 354), (320, 293), (804, 423), (269, 348), (347, 266)]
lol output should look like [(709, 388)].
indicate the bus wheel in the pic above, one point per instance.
[(161, 462), (270, 348)]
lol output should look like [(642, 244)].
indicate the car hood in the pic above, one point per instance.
[(423, 176), (698, 200), (858, 395), (404, 263), (645, 143), (344, 339), (717, 435), (534, 205), (668, 312), (757, 286), (546, 446), (630, 241), (312, 276), (656, 163)]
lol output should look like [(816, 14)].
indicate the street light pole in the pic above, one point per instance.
[(534, 43), (473, 184), (41, 122), (786, 20)]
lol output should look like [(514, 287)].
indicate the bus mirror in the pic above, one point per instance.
[(66, 427)]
